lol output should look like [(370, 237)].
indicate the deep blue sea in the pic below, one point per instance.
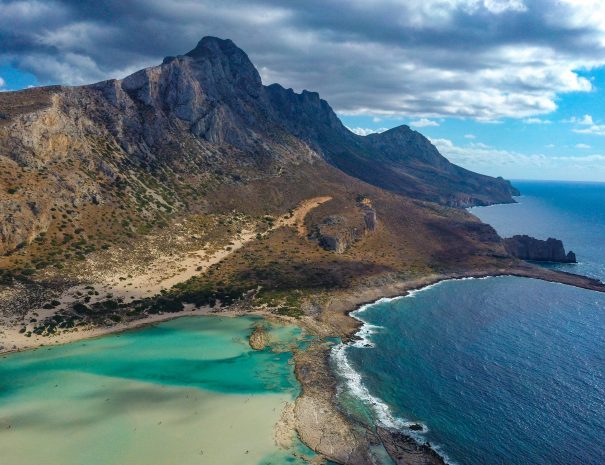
[(572, 212), (499, 370)]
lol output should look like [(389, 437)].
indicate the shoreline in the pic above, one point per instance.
[(318, 420), (401, 447)]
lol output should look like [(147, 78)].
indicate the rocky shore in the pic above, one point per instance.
[(331, 432), (318, 420)]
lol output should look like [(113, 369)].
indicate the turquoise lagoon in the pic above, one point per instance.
[(187, 391)]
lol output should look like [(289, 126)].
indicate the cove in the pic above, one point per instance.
[(187, 391)]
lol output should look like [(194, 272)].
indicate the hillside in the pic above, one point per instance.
[(186, 173), (198, 133)]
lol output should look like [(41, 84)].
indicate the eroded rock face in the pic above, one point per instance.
[(529, 248), (338, 232), (204, 117)]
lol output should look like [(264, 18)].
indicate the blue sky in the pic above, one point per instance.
[(504, 87)]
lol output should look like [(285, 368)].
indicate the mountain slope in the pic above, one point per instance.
[(400, 159), (86, 167)]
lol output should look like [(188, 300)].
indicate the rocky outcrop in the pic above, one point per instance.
[(202, 119), (405, 450), (529, 248), (369, 219), (259, 339), (337, 233)]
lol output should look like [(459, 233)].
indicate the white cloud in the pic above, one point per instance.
[(423, 122), (550, 146), (511, 164), (586, 125), (595, 129), (585, 120), (501, 6), (479, 145), (582, 146), (470, 136), (413, 58), (366, 131), (536, 121), (2, 82)]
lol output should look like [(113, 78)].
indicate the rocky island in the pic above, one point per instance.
[(191, 188), (529, 248)]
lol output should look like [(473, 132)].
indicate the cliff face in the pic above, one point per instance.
[(197, 133), (529, 248), (400, 159), (337, 233)]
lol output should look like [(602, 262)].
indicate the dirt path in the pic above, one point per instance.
[(298, 216), (161, 273)]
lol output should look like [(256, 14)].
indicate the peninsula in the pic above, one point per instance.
[(191, 188)]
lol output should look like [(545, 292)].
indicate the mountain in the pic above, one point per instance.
[(400, 159), (197, 133)]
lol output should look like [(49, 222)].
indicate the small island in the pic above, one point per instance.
[(526, 247)]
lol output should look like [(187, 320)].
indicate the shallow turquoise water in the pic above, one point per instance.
[(185, 391)]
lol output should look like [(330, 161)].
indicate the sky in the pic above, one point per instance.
[(511, 88)]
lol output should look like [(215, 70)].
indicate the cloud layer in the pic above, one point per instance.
[(515, 165), (482, 59)]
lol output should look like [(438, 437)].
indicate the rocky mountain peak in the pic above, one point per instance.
[(403, 142), (214, 88), (233, 63)]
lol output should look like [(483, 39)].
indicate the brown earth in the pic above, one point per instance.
[(190, 188)]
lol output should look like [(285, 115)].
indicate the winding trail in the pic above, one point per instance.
[(160, 274)]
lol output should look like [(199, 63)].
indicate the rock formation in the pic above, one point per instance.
[(258, 339), (202, 120), (337, 233), (529, 248)]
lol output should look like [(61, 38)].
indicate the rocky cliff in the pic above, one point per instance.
[(529, 248), (197, 133), (338, 232)]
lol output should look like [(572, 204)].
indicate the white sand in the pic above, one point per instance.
[(161, 273)]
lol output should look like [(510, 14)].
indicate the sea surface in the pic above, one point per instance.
[(501, 370), (571, 211), (187, 391)]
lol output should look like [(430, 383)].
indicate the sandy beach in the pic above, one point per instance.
[(154, 414), (160, 274)]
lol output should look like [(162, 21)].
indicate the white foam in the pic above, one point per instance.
[(355, 384), (383, 414)]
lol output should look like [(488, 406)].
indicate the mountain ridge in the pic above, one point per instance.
[(311, 118), (199, 133)]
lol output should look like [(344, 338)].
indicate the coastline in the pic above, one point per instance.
[(145, 398), (318, 420), (345, 437)]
